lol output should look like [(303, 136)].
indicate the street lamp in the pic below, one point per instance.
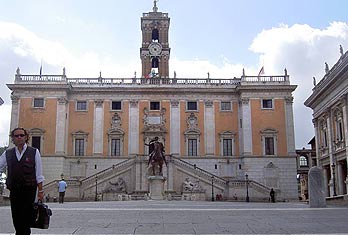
[(247, 187), (96, 188), (212, 188), (334, 179)]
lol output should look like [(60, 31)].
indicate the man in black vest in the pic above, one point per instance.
[(24, 179)]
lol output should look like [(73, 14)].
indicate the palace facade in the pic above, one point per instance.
[(329, 102), (234, 137)]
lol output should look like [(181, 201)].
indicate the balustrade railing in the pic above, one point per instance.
[(200, 172), (19, 78)]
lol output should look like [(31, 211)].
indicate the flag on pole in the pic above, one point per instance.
[(262, 71), (41, 68)]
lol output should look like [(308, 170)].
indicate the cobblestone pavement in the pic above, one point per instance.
[(187, 217)]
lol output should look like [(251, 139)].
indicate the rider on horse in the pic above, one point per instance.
[(151, 145)]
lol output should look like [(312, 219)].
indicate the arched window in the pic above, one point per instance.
[(303, 161), (154, 63), (155, 35)]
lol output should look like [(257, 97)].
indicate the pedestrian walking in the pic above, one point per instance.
[(272, 195), (62, 185), (24, 179)]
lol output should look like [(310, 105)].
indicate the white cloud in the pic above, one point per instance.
[(299, 48), (303, 51), (5, 117)]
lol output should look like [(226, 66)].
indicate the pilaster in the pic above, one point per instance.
[(133, 143), (175, 127), (290, 132), (209, 128), (61, 120), (246, 128), (98, 127)]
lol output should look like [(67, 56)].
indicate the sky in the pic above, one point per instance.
[(217, 36)]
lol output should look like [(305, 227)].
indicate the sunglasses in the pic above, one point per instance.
[(19, 135)]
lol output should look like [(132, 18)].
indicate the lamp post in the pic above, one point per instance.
[(334, 179), (247, 187), (96, 188), (212, 188)]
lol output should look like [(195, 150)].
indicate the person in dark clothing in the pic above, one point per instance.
[(24, 179), (272, 195)]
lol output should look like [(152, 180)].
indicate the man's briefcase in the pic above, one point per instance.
[(41, 216)]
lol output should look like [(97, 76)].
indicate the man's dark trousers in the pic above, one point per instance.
[(22, 209), (61, 197)]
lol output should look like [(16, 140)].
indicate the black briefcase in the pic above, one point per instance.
[(41, 216)]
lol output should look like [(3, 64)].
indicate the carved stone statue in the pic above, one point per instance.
[(326, 68), (314, 82), (189, 186), (118, 187), (341, 50)]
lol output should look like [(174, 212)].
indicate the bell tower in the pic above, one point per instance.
[(155, 51)]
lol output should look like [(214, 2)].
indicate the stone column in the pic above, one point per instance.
[(316, 132), (170, 176), (345, 120), (209, 128), (98, 127), (14, 116), (326, 181), (246, 130), (174, 127), (61, 120), (340, 179), (133, 143), (290, 133), (138, 174), (330, 142)]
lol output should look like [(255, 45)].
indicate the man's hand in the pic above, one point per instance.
[(40, 195)]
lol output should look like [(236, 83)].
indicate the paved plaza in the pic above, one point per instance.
[(188, 217)]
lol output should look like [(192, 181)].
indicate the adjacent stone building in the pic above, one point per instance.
[(329, 102), (215, 131)]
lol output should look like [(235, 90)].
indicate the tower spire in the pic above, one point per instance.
[(155, 8)]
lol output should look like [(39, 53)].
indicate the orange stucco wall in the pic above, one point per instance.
[(226, 121), (262, 119), (81, 121), (108, 114), (38, 118)]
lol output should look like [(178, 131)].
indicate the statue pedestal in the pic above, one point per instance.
[(156, 184), (193, 196)]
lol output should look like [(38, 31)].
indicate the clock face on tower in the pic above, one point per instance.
[(155, 49)]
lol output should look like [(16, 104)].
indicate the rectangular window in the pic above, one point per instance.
[(267, 104), (36, 142), (340, 131), (79, 147), (227, 147), (192, 147), (38, 102), (81, 105), (325, 139), (115, 147), (116, 105), (226, 106), (192, 106), (269, 146), (154, 105)]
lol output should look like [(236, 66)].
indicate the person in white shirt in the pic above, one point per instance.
[(62, 185), (24, 179)]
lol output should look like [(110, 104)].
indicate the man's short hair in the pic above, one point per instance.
[(20, 128)]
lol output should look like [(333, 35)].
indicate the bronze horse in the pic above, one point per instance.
[(157, 158)]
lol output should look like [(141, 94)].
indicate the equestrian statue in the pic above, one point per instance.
[(156, 156)]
